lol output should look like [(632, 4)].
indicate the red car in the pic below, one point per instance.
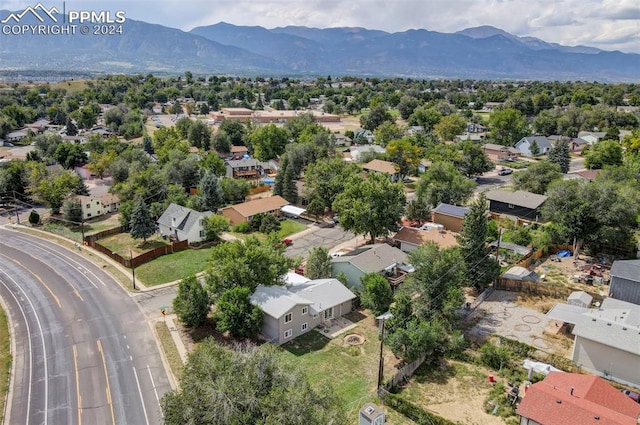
[(287, 242)]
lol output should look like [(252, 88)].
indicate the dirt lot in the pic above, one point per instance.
[(456, 391)]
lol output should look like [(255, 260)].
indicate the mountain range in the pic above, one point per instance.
[(479, 53)]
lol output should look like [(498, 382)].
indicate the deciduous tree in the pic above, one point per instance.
[(370, 207), (507, 126), (443, 183), (376, 293), (318, 264), (236, 314), (249, 387), (192, 303), (537, 177)]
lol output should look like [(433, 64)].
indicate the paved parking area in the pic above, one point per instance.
[(501, 314), (316, 236)]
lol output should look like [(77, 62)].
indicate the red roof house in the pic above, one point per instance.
[(575, 399)]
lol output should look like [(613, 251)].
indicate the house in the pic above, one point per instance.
[(297, 308), (592, 137), (415, 129), (362, 136), (576, 144), (379, 258), (524, 145), (588, 175), (580, 299), (625, 281), (96, 206), (521, 204), (469, 137), (238, 152), (576, 399), (244, 212), (356, 151), (182, 223), (245, 168), (500, 153), (383, 167), (341, 140), (16, 136), (450, 216), (411, 238), (606, 338), (423, 166), (474, 127)]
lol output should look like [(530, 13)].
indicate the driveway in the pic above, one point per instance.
[(316, 236)]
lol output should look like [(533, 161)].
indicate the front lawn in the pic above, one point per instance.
[(290, 227), (173, 266), (124, 245), (75, 232)]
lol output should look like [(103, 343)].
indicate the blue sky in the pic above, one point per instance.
[(606, 24)]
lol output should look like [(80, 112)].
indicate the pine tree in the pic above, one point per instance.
[(535, 149), (142, 223), (289, 188), (211, 192), (278, 184), (559, 154), (480, 269)]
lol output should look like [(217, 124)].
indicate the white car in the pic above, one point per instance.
[(336, 254), (406, 267)]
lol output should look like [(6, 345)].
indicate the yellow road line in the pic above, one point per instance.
[(37, 277), (106, 375), (75, 365)]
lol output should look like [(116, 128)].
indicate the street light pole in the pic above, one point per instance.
[(133, 269)]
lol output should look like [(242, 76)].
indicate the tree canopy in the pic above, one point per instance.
[(371, 206), (253, 386), (192, 303), (537, 177), (442, 182)]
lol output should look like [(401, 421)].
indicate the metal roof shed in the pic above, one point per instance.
[(290, 210)]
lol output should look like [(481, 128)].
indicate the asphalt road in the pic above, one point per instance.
[(83, 351), (317, 236)]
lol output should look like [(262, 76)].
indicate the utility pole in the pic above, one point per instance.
[(381, 364), (15, 204), (133, 269), (498, 246), (82, 229)]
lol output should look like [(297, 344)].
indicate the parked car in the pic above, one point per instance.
[(632, 395), (505, 171), (408, 268), (336, 219)]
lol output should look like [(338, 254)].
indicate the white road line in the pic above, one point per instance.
[(154, 389), (44, 349), (144, 409), (66, 259)]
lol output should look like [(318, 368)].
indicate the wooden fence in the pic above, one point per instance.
[(532, 288), (404, 373), (92, 241)]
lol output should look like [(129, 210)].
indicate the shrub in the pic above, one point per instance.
[(242, 228), (414, 412), (494, 356)]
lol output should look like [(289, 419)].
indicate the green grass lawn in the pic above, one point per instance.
[(75, 232), (350, 370), (173, 266), (124, 244), (5, 361), (290, 227)]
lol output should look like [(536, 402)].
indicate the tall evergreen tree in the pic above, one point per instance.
[(289, 188), (535, 149), (142, 224), (318, 264), (480, 268), (559, 154), (278, 184), (211, 192)]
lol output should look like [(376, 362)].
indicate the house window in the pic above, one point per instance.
[(89, 215), (288, 317), (328, 313), (315, 316), (304, 327), (305, 310), (511, 206), (202, 233), (88, 205), (288, 333)]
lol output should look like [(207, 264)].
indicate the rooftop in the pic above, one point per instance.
[(251, 208), (380, 166), (626, 269), (575, 399), (451, 210), (373, 258), (520, 198)]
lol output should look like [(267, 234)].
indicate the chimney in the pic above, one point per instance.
[(572, 390)]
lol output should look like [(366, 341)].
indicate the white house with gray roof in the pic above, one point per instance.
[(607, 339), (368, 259), (183, 223), (300, 306), (524, 145)]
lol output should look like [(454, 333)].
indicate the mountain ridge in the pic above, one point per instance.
[(480, 53)]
